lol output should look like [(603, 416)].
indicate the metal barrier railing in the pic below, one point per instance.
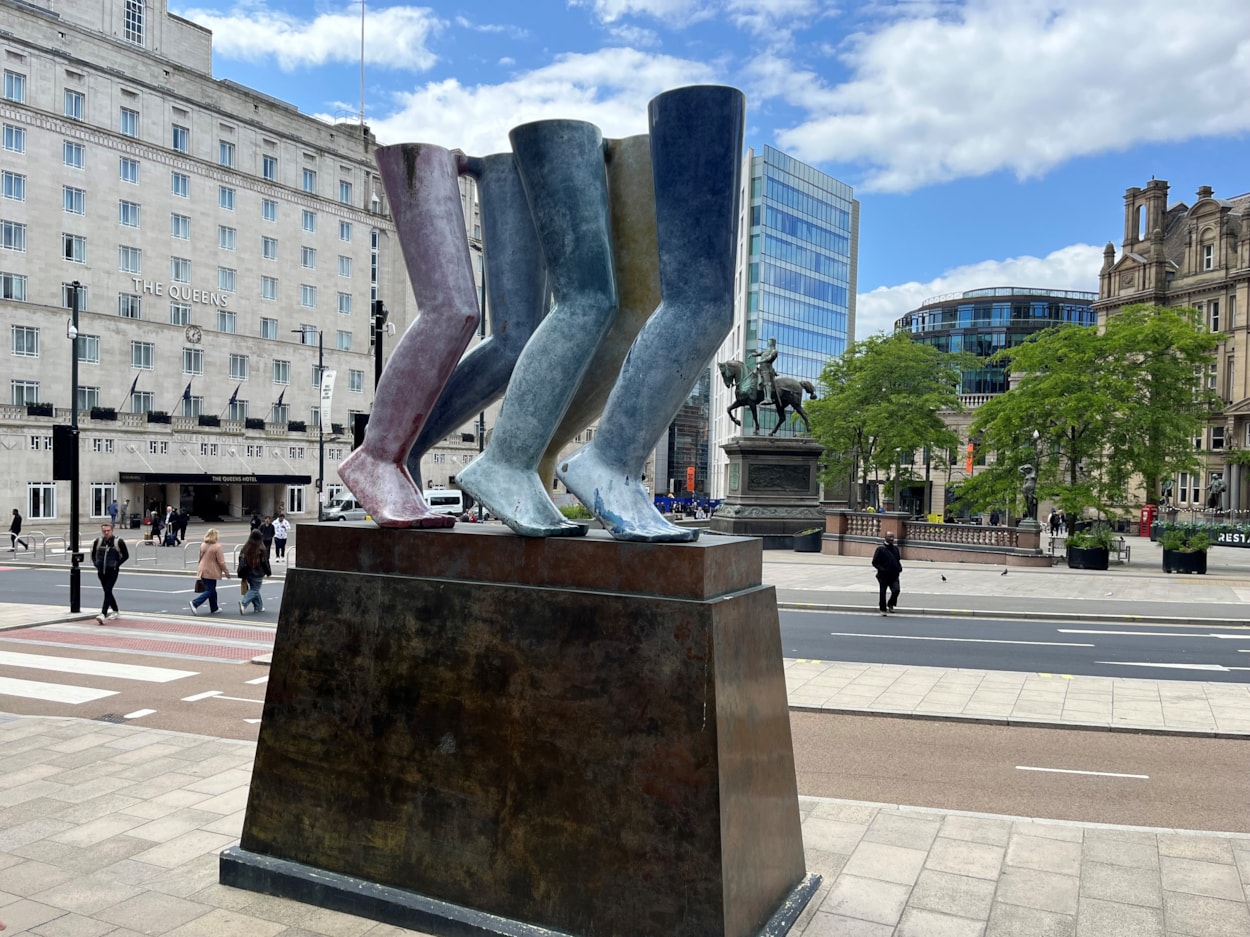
[(62, 552)]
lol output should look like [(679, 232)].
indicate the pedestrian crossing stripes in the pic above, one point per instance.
[(51, 692), (93, 668), (223, 643)]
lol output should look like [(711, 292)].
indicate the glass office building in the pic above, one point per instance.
[(798, 244)]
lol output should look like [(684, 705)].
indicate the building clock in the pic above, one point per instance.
[(194, 334)]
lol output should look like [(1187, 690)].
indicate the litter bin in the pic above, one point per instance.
[(1148, 514), (135, 521)]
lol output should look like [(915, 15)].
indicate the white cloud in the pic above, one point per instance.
[(610, 88), (1070, 268), (396, 37), (669, 11), (1019, 85)]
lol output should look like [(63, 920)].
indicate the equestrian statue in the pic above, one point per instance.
[(752, 386)]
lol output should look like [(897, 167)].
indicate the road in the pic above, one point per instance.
[(1153, 652), (1143, 780)]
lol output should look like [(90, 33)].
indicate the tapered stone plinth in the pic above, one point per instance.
[(468, 732)]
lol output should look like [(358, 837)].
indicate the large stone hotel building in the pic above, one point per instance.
[(217, 236)]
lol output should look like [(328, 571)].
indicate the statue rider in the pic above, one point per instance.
[(765, 376)]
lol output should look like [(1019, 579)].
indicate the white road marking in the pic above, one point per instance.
[(139, 714), (199, 696), (252, 721), (1159, 634), (1096, 774), (1136, 663), (917, 637), (94, 668), (51, 692), (240, 699), (264, 679)]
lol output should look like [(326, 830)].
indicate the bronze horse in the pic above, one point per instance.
[(749, 394)]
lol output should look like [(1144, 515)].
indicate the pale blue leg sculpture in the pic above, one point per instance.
[(696, 154), (516, 293), (561, 165)]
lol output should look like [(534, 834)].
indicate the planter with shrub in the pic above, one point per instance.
[(1185, 549), (808, 541), (159, 416), (1090, 548), (254, 422), (103, 413), (296, 426), (207, 420), (39, 409)]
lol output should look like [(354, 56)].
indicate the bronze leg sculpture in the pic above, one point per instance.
[(421, 183), (561, 166), (696, 153)]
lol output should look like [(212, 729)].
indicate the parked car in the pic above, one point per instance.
[(447, 501), (345, 509)]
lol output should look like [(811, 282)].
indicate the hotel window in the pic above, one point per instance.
[(343, 340), (225, 197), (268, 327), (269, 288), (345, 266), (128, 214), (67, 296), (308, 258), (238, 411), (134, 21), (356, 381), (281, 371), (12, 236), (269, 209), (88, 397), (15, 139), (294, 496), (128, 170), (129, 259), (144, 401), (179, 314), (345, 192), (345, 304), (74, 102), (1230, 381), (1232, 312), (74, 248), (40, 501), (180, 269), (141, 355), (226, 237), (310, 180), (71, 154), (101, 445), (345, 230), (13, 186), (269, 167), (180, 184), (193, 361), (238, 367), (308, 296), (191, 406), (13, 286), (14, 86), (1217, 438), (128, 123), (309, 221), (25, 341), (269, 248), (180, 226), (24, 392), (227, 321), (73, 201), (88, 348), (181, 139), (1208, 256), (225, 280), (308, 335), (225, 154), (129, 306), (317, 374), (1213, 312)]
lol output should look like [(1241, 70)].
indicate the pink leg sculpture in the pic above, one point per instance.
[(421, 184)]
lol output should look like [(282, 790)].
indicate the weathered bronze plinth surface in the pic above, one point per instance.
[(468, 720), (772, 489)]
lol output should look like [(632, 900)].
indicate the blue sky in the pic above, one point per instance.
[(989, 141)]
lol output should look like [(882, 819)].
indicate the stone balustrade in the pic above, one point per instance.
[(857, 533)]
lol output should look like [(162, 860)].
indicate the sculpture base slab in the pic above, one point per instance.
[(528, 749), (772, 490)]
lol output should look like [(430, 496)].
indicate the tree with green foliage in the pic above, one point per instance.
[(883, 395), (1109, 407)]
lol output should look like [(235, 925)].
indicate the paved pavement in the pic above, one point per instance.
[(114, 829)]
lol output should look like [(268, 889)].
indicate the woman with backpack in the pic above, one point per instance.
[(253, 568), (212, 567)]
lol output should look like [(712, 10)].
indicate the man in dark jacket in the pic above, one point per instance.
[(888, 564), (15, 528), (108, 553)]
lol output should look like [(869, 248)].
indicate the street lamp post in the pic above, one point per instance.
[(321, 424), (75, 555)]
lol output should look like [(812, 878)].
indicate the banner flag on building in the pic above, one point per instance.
[(327, 395), (133, 385), (234, 398), (280, 396), (186, 393)]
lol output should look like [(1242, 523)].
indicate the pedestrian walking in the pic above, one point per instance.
[(1053, 520), (112, 512), (211, 568), (267, 534), (108, 553), (281, 531), (184, 518), (253, 568), (887, 562), (15, 528)]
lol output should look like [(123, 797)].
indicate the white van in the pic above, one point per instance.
[(445, 501), (345, 508)]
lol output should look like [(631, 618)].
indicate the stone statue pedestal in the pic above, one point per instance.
[(772, 489), (469, 732)]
